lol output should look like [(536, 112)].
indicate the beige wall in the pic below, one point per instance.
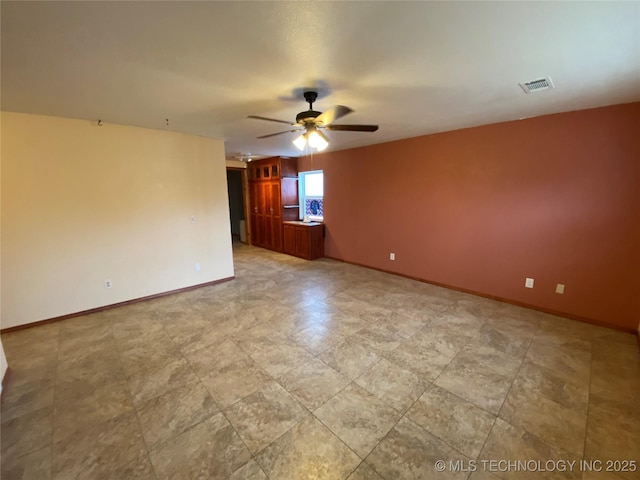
[(3, 358), (83, 203)]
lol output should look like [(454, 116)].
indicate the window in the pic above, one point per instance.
[(311, 193)]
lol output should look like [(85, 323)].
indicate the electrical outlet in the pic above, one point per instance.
[(392, 256), (528, 282), (107, 284), (197, 267), (560, 288)]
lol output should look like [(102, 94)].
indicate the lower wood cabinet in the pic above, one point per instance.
[(304, 240)]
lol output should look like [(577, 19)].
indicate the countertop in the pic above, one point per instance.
[(304, 224)]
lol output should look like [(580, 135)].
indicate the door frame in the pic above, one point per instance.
[(245, 203)]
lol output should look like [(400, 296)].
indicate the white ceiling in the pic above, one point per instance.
[(412, 67)]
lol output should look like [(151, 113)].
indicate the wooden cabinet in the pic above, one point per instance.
[(273, 187), (273, 168), (304, 240), (289, 239)]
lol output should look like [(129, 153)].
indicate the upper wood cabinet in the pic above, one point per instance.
[(273, 168), (273, 188)]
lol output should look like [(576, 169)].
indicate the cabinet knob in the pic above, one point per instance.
[(271, 210)]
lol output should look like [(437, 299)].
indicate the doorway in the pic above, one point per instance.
[(237, 204)]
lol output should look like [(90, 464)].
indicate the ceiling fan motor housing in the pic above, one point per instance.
[(310, 97), (307, 117)]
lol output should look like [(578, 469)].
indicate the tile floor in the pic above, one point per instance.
[(317, 370)]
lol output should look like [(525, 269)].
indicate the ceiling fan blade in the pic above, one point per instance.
[(331, 115), (258, 117), (353, 128), (279, 133)]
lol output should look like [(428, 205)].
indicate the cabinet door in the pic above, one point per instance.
[(253, 209), (267, 228), (258, 224), (302, 242), (261, 231), (276, 215), (254, 197), (272, 198), (254, 229), (288, 167), (289, 239), (276, 234), (264, 204), (289, 188), (316, 242), (266, 210)]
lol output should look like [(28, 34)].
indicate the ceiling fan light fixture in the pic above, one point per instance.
[(300, 142), (322, 142), (322, 145), (314, 139)]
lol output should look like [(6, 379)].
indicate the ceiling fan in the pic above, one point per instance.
[(312, 122)]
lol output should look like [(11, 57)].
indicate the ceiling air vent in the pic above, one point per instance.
[(537, 85)]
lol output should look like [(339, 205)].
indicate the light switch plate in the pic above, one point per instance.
[(528, 282)]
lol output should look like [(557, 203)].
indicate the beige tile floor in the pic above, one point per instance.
[(317, 370)]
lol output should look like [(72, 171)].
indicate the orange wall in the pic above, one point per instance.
[(556, 198)]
